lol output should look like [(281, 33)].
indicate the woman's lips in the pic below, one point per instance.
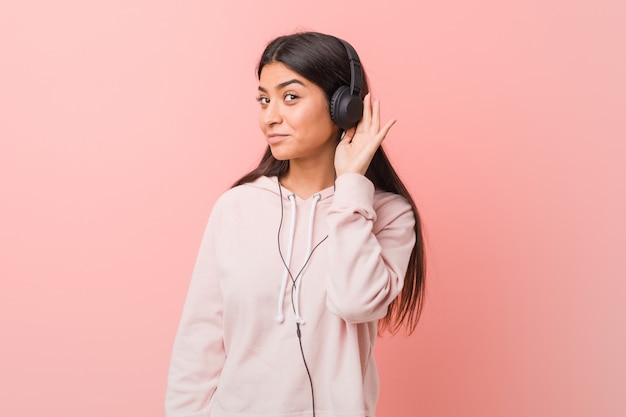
[(274, 138)]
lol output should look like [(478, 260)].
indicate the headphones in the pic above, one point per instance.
[(346, 104)]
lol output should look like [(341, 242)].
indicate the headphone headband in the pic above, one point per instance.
[(346, 104), (356, 71)]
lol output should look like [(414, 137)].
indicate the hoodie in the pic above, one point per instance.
[(236, 352)]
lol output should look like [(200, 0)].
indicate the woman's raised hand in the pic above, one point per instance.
[(358, 145)]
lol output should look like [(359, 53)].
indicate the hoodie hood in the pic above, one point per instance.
[(271, 184)]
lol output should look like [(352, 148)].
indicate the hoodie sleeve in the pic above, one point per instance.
[(369, 249), (198, 353)]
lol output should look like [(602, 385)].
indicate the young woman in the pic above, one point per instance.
[(306, 258)]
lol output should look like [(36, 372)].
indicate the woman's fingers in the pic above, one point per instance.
[(366, 120), (375, 121), (383, 132), (370, 122)]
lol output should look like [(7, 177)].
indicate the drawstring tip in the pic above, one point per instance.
[(280, 318)]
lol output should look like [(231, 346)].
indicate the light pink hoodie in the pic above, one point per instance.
[(236, 352)]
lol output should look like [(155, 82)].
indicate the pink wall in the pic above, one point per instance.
[(122, 121)]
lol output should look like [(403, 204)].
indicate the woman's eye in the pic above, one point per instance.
[(290, 97), (263, 100)]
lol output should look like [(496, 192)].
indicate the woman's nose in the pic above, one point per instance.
[(272, 114)]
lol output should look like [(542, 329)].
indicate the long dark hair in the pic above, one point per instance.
[(323, 60)]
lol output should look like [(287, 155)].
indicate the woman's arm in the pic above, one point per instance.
[(198, 354), (369, 249)]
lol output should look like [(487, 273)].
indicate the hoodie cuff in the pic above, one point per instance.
[(354, 192)]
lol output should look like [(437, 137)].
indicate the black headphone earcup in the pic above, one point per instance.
[(335, 113), (345, 109)]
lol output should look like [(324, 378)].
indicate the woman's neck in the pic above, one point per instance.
[(305, 182)]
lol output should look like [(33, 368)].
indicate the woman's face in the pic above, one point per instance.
[(294, 116)]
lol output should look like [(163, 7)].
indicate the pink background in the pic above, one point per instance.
[(122, 121)]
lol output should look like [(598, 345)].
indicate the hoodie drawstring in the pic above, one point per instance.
[(298, 284), (283, 286), (297, 280)]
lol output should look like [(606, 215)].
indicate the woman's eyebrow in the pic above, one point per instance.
[(283, 85)]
